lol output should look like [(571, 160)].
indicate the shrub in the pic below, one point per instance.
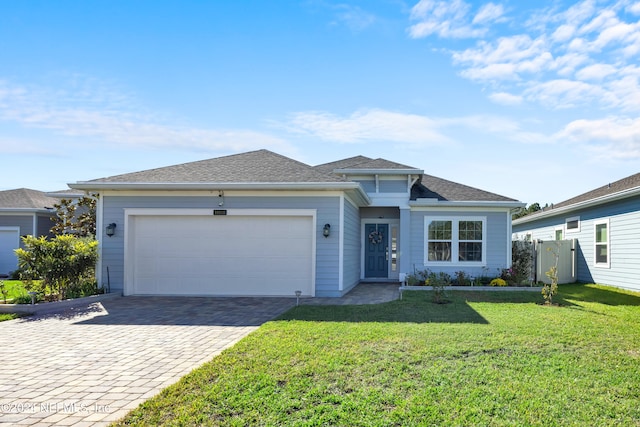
[(521, 261), (26, 299), (462, 278), (62, 263), (498, 282), (438, 281)]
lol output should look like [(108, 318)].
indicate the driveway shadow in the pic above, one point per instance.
[(179, 311), (411, 309)]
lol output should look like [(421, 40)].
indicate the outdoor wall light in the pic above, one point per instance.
[(326, 230), (111, 229)]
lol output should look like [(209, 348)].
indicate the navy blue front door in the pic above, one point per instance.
[(376, 252)]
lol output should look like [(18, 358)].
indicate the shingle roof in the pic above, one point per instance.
[(261, 166), (627, 183), (433, 187), (25, 198), (361, 162), (265, 167), (341, 164)]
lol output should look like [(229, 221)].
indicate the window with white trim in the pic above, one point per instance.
[(572, 225), (559, 232), (601, 239), (460, 240)]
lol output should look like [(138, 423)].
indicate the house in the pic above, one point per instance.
[(22, 212), (606, 225), (261, 224)]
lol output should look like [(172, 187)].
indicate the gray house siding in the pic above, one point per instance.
[(392, 186), (351, 259), (25, 222), (367, 185), (496, 241), (624, 241), (44, 225), (328, 211)]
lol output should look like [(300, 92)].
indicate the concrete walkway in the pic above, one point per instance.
[(90, 365)]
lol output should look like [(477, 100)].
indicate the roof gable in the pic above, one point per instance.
[(432, 187), (25, 198), (261, 166), (341, 164)]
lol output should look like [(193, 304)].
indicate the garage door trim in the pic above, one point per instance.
[(131, 213)]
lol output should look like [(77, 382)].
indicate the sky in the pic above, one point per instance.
[(538, 101)]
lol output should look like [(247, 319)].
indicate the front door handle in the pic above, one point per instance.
[(386, 253)]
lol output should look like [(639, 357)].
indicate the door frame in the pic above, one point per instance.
[(392, 223)]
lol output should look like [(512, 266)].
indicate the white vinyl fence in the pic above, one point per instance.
[(545, 258)]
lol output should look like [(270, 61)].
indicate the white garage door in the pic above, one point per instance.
[(9, 241), (221, 255)]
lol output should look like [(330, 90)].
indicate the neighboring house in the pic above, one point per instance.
[(22, 212), (606, 224), (262, 224)]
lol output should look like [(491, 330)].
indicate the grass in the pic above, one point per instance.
[(8, 316), (484, 359), (15, 288)]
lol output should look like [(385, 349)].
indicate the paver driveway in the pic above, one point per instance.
[(92, 364)]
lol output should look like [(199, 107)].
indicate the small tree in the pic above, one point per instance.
[(62, 263), (75, 217), (550, 289)]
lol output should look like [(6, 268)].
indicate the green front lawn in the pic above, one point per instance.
[(485, 359), (14, 289)]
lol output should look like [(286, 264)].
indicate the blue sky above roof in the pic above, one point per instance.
[(538, 101)]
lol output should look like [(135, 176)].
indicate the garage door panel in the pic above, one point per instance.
[(232, 255)]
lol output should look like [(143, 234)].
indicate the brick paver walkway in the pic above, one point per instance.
[(91, 365)]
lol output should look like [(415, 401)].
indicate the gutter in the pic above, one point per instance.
[(465, 203), (172, 186), (580, 205), (26, 210), (379, 171)]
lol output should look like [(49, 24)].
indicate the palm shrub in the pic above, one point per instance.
[(63, 263)]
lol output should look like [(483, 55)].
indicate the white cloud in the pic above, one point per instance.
[(554, 58), (563, 93), (355, 18), (634, 8), (110, 117), (563, 33), (505, 98), (366, 126), (450, 19), (614, 137), (488, 13), (596, 72), (505, 59)]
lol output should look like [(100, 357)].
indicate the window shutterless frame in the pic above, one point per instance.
[(455, 241), (602, 246)]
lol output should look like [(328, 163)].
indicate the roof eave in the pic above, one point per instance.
[(580, 205), (466, 203), (349, 171), (26, 210), (353, 188)]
